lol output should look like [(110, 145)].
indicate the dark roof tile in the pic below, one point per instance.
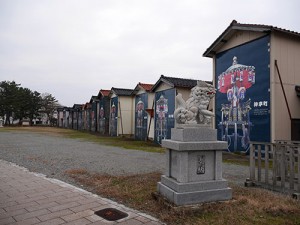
[(122, 91), (93, 98), (234, 26), (177, 82), (180, 82), (77, 106)]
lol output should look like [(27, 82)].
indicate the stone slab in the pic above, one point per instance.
[(194, 134), (194, 146), (183, 126), (193, 186), (184, 166), (189, 198), (205, 171)]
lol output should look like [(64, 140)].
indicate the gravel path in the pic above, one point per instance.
[(52, 156)]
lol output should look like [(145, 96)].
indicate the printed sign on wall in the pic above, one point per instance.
[(164, 114), (101, 118), (113, 121), (80, 120), (243, 94), (93, 116), (75, 120), (141, 117)]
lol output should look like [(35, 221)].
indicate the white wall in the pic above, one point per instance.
[(125, 117)]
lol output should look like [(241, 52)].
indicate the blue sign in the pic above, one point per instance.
[(243, 94), (102, 117), (164, 114), (80, 120), (141, 116), (94, 116), (113, 120), (75, 120)]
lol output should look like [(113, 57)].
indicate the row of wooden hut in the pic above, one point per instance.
[(145, 112), (256, 75)]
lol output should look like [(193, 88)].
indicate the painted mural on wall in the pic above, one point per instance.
[(70, 120), (65, 119), (141, 117), (113, 122), (80, 120), (101, 119), (243, 94), (93, 116), (92, 120), (75, 120), (89, 119), (86, 119), (164, 117)]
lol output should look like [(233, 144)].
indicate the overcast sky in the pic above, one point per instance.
[(74, 48)]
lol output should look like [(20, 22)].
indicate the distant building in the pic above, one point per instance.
[(166, 89), (103, 112), (94, 101), (143, 111), (86, 116), (75, 116), (63, 117), (121, 113)]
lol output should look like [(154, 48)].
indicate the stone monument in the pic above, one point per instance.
[(1, 121), (194, 156)]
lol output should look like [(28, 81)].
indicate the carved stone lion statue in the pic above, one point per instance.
[(195, 109)]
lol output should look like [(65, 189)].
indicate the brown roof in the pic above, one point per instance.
[(104, 92), (147, 87), (235, 26)]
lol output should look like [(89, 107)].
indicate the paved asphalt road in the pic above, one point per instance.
[(52, 156)]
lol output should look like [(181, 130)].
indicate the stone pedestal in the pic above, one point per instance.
[(194, 167)]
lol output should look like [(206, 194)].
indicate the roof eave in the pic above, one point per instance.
[(116, 91), (161, 79), (136, 89), (111, 93), (103, 93), (227, 34)]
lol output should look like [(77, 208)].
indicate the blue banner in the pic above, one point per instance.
[(164, 114), (94, 116), (102, 117), (141, 116), (243, 94), (113, 120), (80, 120), (75, 120)]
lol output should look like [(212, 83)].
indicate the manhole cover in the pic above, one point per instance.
[(111, 214)]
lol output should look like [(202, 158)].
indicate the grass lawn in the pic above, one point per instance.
[(249, 205)]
